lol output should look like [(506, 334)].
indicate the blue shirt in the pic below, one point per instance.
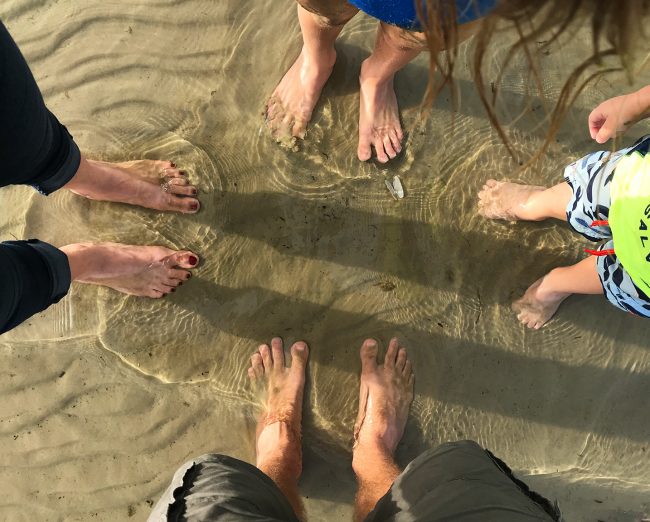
[(404, 14)]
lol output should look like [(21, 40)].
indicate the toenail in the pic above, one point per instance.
[(193, 260), (194, 192), (194, 206), (172, 163), (180, 283), (173, 289), (182, 173)]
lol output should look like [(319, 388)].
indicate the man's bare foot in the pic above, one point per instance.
[(152, 184), (281, 390), (149, 271), (385, 396), (290, 107), (538, 304), (505, 200), (379, 124)]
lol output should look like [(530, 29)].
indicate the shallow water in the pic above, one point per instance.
[(104, 395)]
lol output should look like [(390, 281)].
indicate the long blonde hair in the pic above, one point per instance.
[(616, 27)]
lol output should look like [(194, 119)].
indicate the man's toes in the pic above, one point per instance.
[(401, 360), (267, 358), (364, 152), (277, 352), (257, 365), (368, 354), (183, 259), (391, 353), (299, 355)]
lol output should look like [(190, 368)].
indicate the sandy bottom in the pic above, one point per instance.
[(104, 396)]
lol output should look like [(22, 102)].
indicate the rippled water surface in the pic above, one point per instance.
[(104, 395)]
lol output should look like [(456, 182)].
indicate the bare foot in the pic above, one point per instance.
[(385, 396), (152, 184), (290, 107), (278, 448), (538, 305), (149, 271), (379, 124), (505, 200)]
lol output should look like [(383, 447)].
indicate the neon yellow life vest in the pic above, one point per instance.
[(629, 217)]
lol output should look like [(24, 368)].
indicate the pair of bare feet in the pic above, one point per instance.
[(386, 393), (149, 271), (512, 202), (290, 107)]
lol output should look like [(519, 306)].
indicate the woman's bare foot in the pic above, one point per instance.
[(538, 304), (506, 200), (379, 124), (385, 396), (278, 447), (290, 107), (152, 184), (149, 271)]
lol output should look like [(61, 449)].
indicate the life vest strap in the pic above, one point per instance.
[(600, 253)]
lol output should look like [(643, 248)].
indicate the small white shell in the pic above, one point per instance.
[(397, 187), (390, 188)]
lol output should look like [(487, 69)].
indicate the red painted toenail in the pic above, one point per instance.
[(193, 260), (173, 289), (194, 206), (172, 163), (194, 192)]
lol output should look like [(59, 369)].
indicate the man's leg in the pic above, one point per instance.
[(385, 395), (35, 149), (513, 201), (291, 105), (278, 446), (544, 296)]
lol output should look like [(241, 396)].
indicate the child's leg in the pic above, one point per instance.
[(512, 201), (291, 105), (544, 296)]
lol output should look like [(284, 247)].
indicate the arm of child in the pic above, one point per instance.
[(619, 113)]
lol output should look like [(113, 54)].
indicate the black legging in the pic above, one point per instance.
[(35, 149)]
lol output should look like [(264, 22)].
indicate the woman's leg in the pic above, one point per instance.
[(35, 149), (290, 107)]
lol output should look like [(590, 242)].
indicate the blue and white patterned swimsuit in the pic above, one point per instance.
[(590, 179)]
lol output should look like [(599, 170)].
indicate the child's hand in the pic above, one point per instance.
[(612, 116), (617, 114)]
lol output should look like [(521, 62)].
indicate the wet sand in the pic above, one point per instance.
[(105, 395)]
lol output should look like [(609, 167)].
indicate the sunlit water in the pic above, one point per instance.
[(105, 395)]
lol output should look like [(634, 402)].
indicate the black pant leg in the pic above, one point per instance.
[(35, 149), (33, 275)]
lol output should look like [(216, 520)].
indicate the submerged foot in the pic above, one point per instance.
[(151, 184), (505, 200), (149, 271), (385, 396), (379, 124), (290, 107), (538, 305), (278, 446)]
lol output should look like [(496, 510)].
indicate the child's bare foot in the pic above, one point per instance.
[(278, 450), (379, 124), (538, 305), (385, 396), (152, 184), (290, 107), (505, 200), (149, 271)]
